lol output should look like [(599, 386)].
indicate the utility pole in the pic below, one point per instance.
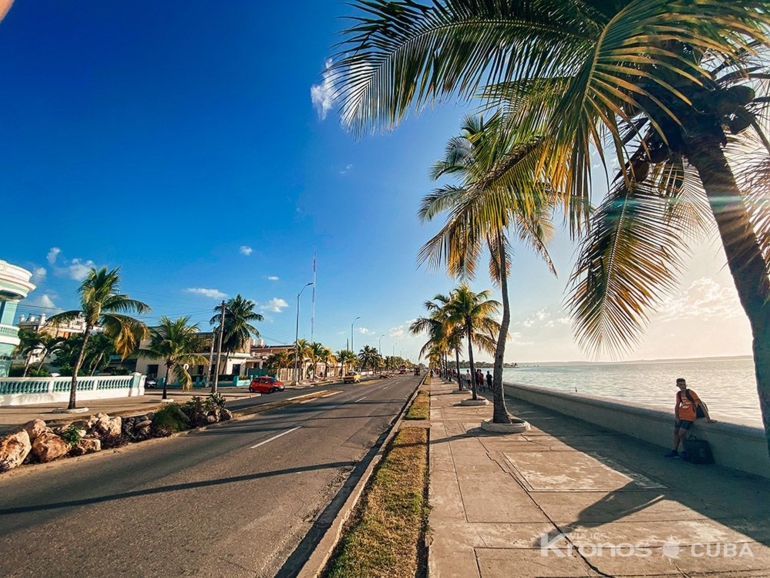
[(209, 379), (219, 347)]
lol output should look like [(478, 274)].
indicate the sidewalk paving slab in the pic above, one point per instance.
[(611, 505)]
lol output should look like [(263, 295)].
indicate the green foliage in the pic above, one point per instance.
[(71, 435), (170, 419), (215, 400)]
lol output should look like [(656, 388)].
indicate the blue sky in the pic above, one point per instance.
[(188, 143)]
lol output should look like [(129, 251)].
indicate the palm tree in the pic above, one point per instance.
[(346, 357), (474, 312), (178, 344), (441, 333), (29, 344), (316, 354), (669, 82), (48, 346), (277, 361), (299, 356), (327, 357), (101, 304), (482, 214), (369, 357), (238, 328), (100, 348)]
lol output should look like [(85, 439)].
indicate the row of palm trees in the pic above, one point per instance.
[(672, 93), (175, 341)]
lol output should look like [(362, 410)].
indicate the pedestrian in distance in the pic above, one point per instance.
[(688, 408), (479, 380), (489, 381)]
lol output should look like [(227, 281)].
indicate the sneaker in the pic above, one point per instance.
[(672, 454)]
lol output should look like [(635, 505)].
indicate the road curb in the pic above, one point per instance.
[(326, 545)]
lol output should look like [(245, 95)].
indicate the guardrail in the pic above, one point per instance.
[(32, 390), (733, 445)]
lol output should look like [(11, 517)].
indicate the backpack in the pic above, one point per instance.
[(699, 413), (697, 451)]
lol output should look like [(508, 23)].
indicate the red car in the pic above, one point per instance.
[(265, 384)]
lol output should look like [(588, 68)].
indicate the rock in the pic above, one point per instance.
[(34, 428), (142, 431), (86, 446), (107, 426), (226, 414), (211, 418), (48, 447), (14, 448)]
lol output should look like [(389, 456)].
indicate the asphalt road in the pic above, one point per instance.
[(244, 498)]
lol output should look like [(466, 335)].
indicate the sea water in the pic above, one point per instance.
[(727, 385)]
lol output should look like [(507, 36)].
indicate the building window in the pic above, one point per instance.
[(152, 370)]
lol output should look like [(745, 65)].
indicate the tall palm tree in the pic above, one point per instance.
[(369, 357), (327, 357), (669, 83), (474, 312), (300, 355), (178, 344), (238, 328), (482, 214), (346, 357), (441, 333), (316, 354), (101, 304)]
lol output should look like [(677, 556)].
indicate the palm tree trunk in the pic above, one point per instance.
[(457, 366), (74, 385), (469, 330), (27, 363), (500, 413), (744, 257), (165, 382)]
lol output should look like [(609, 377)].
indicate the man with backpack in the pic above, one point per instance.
[(688, 408)]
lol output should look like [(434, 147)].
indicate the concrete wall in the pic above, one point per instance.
[(31, 390), (734, 446)]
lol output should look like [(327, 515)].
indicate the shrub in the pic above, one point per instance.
[(71, 435), (215, 400), (170, 419)]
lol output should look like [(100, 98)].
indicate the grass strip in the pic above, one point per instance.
[(420, 408), (385, 537)]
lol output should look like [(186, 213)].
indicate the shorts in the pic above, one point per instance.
[(682, 424)]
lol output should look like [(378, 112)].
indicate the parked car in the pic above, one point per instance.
[(265, 384), (351, 377), (150, 383)]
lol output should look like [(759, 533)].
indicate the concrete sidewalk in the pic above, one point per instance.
[(571, 499)]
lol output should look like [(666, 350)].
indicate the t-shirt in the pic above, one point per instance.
[(686, 408)]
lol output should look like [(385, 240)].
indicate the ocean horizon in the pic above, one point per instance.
[(726, 384)]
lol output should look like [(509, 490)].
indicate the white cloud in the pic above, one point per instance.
[(52, 254), (535, 319), (213, 293), (322, 94), (276, 305), (346, 169), (704, 298), (79, 269), (272, 278), (365, 331), (397, 331), (246, 250), (38, 275), (43, 301)]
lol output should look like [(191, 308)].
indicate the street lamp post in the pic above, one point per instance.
[(296, 335), (379, 344), (353, 349)]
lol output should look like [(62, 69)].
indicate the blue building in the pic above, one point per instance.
[(14, 286)]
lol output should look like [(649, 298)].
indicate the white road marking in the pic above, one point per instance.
[(275, 437), (359, 399)]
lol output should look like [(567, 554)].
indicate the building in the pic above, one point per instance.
[(14, 286), (65, 329)]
